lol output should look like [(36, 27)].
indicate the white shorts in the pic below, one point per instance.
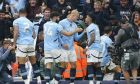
[(25, 50), (93, 56), (70, 55), (110, 65), (54, 55)]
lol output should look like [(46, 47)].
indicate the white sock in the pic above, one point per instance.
[(27, 81), (39, 80)]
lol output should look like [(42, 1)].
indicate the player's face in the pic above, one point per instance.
[(88, 20), (47, 14), (57, 19), (75, 17)]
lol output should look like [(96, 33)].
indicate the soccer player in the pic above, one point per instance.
[(52, 46), (68, 41), (94, 49), (24, 36), (106, 62)]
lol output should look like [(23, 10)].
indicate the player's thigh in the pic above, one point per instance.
[(48, 57), (21, 51), (31, 50), (93, 57), (58, 55), (72, 56)]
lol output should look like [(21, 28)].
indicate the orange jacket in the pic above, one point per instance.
[(81, 63), (14, 68)]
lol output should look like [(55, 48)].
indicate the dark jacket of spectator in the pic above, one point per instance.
[(50, 3), (63, 9), (101, 20), (87, 8), (120, 10), (32, 11), (2, 36)]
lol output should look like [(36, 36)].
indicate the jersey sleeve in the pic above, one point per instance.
[(60, 28), (15, 23)]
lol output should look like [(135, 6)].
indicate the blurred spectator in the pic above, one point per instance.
[(16, 5), (4, 6), (7, 57), (100, 17), (87, 7), (115, 26), (136, 18), (106, 7), (50, 3), (32, 10), (1, 27), (136, 6), (74, 3), (46, 17), (123, 9), (63, 7)]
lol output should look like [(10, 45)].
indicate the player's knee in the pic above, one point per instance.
[(117, 69), (32, 59), (21, 60), (73, 64)]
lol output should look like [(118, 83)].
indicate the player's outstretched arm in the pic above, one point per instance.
[(71, 33)]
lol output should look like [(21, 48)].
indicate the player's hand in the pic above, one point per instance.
[(14, 46), (65, 46), (85, 50), (79, 29), (10, 47)]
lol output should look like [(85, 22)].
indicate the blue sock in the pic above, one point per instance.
[(90, 72), (99, 74), (117, 77), (23, 71), (48, 75), (36, 70), (72, 74), (58, 73)]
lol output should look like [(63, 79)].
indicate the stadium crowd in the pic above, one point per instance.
[(55, 40)]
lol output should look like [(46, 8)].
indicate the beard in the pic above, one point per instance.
[(57, 21)]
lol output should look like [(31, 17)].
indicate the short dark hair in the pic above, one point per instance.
[(91, 15), (23, 10), (46, 9), (107, 29), (53, 14)]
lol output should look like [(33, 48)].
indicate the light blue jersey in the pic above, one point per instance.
[(52, 32), (25, 28), (106, 41), (93, 28), (69, 27)]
